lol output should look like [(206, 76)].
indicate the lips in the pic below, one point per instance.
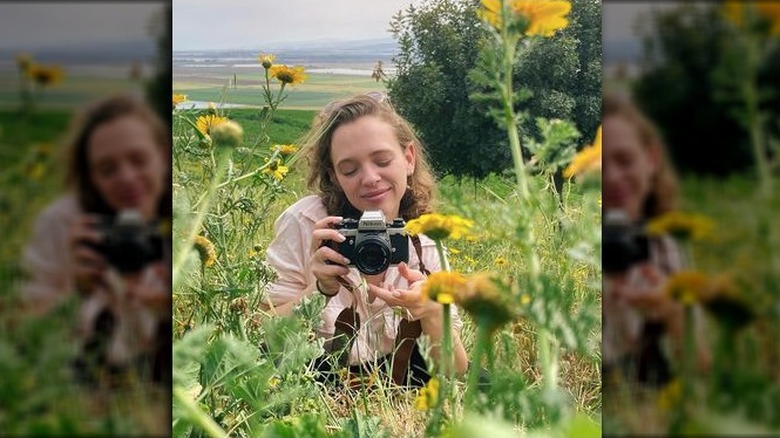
[(375, 195)]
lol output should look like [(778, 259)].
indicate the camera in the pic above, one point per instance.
[(371, 244), (624, 243), (129, 243)]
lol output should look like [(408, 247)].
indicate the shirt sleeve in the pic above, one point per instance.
[(45, 260), (289, 254)]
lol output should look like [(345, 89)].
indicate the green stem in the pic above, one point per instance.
[(548, 360), (195, 415), (483, 344), (445, 264)]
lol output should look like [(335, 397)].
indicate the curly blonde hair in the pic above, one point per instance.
[(419, 197)]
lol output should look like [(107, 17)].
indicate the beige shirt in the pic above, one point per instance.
[(290, 255)]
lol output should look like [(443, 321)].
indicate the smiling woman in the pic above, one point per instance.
[(105, 240), (365, 162)]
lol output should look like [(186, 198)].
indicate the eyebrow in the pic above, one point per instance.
[(377, 152)]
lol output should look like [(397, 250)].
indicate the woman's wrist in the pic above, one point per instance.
[(325, 292)]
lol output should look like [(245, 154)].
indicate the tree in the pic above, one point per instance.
[(439, 43), (688, 59)]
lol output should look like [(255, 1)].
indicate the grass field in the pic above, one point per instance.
[(215, 85)]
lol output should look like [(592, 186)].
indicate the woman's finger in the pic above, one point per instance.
[(411, 275)]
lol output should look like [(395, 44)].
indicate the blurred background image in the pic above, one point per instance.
[(57, 61), (691, 309)]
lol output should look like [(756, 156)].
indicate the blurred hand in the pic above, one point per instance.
[(88, 264), (327, 264), (411, 299), (644, 288), (150, 287)]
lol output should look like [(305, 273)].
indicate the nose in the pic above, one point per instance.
[(126, 173), (370, 176)]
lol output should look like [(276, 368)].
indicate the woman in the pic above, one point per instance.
[(642, 327), (118, 161), (363, 156)]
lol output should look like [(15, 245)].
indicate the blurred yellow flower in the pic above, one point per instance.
[(206, 123), (428, 395), (687, 287), (439, 226), (487, 299), (500, 261), (288, 75), (276, 169), (544, 17), (227, 134), (179, 98), (681, 225), (266, 60), (588, 160), (206, 250), (734, 11), (285, 149), (443, 286), (45, 75), (669, 395)]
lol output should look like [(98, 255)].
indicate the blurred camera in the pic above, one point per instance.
[(624, 243), (372, 245), (129, 242)]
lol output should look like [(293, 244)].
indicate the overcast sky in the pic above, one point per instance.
[(25, 26), (210, 24)]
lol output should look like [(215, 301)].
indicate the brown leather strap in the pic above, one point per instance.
[(347, 324), (418, 249), (408, 332)]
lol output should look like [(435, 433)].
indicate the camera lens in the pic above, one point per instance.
[(372, 256)]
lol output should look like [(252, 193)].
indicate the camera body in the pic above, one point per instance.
[(372, 244), (129, 242), (624, 243)]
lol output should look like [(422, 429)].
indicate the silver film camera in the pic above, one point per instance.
[(372, 244)]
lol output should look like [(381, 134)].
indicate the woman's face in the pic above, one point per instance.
[(629, 167), (370, 165), (127, 165)]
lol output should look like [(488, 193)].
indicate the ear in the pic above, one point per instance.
[(410, 155)]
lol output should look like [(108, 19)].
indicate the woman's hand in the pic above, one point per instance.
[(150, 287), (87, 264), (644, 288), (412, 299), (327, 265)]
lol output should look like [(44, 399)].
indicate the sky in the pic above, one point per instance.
[(26, 26), (245, 24)]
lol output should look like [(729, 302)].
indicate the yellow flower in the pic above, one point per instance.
[(453, 251), (487, 299), (734, 11), (443, 286), (206, 250), (544, 17), (285, 149), (276, 169), (687, 286), (428, 396), (266, 60), (588, 160), (273, 382), (724, 301), (681, 225), (525, 299), (45, 75), (227, 134), (288, 75), (439, 226), (179, 98), (206, 123), (669, 395), (500, 261)]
